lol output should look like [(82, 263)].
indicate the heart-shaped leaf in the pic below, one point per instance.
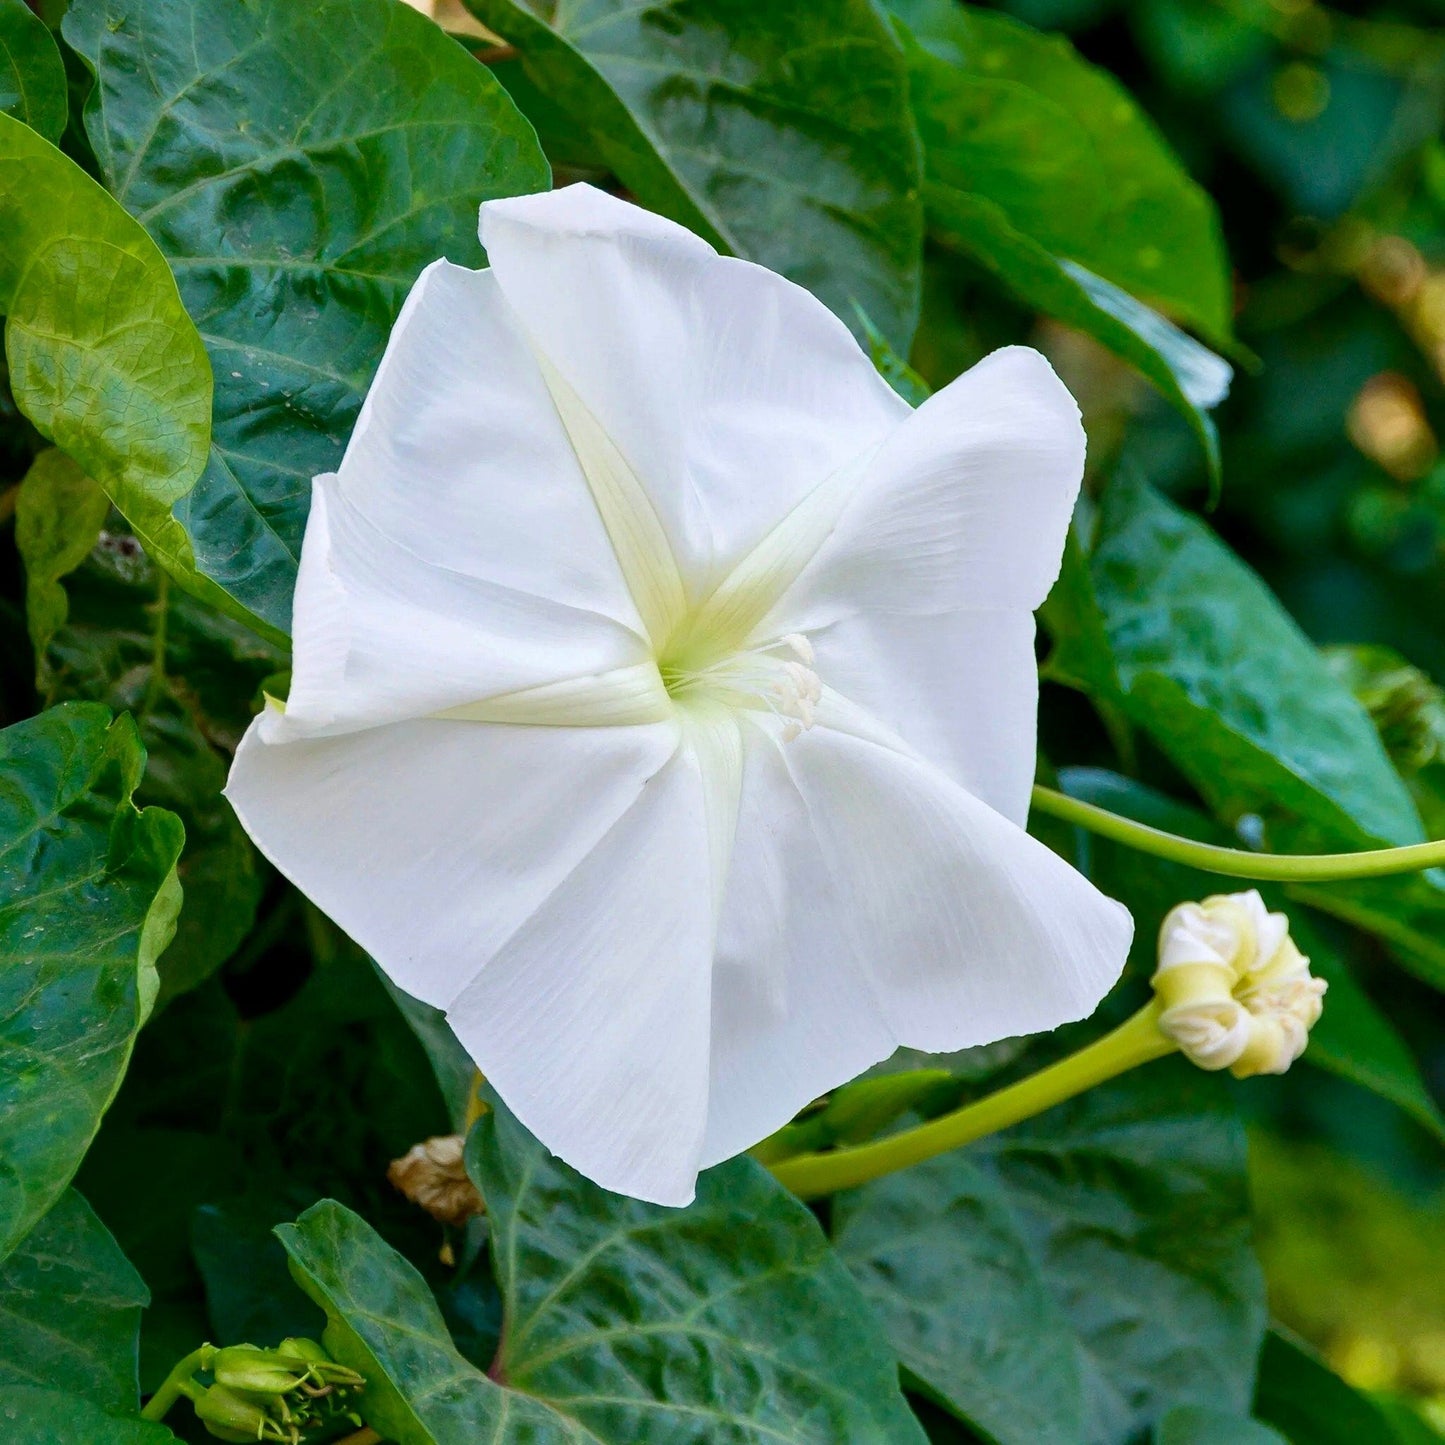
[(624, 1321)]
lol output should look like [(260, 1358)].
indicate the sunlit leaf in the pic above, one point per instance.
[(103, 358)]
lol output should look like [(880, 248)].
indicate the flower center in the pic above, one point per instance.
[(777, 677)]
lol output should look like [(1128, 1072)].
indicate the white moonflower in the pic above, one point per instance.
[(664, 693)]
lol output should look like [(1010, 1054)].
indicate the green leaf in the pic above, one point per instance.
[(455, 1072), (1073, 1278), (50, 1417), (1352, 1038), (70, 1306), (1300, 1395), (114, 633), (1221, 677), (88, 899), (1199, 1425), (1187, 374), (624, 1321), (250, 1294), (32, 74), (1068, 156), (1239, 697), (59, 512), (103, 358), (338, 147), (779, 132)]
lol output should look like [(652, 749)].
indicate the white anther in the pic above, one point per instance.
[(799, 644)]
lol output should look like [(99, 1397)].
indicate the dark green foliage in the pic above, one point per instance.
[(88, 898), (32, 74), (779, 132), (1074, 1278), (70, 1307)]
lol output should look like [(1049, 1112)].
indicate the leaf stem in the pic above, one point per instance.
[(156, 683), (1239, 862), (1136, 1041), (176, 1383)]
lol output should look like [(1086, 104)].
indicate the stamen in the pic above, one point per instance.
[(757, 679)]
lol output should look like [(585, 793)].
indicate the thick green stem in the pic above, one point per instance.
[(1239, 862), (1134, 1042), (177, 1383)]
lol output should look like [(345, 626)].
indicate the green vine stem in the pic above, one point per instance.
[(1239, 862), (177, 1383), (1134, 1042)]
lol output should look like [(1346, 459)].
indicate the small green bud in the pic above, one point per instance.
[(263, 1372), (320, 1367), (298, 1347), (229, 1415)]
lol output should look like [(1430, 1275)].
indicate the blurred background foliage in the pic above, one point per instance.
[(1317, 130)]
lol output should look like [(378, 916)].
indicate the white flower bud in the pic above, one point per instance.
[(1236, 993)]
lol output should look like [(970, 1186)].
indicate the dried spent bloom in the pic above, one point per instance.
[(1236, 993), (433, 1175), (664, 695)]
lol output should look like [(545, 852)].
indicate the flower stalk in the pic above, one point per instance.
[(1231, 991), (175, 1384), (1136, 1041), (1239, 862)]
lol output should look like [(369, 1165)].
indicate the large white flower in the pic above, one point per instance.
[(664, 693)]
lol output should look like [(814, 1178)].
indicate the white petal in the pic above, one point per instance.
[(730, 391), (592, 1019), (965, 505), (794, 1012), (960, 688), (460, 457), (972, 930), (432, 842), (381, 636)]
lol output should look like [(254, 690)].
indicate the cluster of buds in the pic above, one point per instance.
[(1234, 991), (288, 1395)]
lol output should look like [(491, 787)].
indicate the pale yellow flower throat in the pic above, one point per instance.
[(758, 678)]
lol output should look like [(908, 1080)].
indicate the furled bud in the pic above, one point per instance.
[(320, 1368), (230, 1415), (263, 1372), (1236, 993), (432, 1175)]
